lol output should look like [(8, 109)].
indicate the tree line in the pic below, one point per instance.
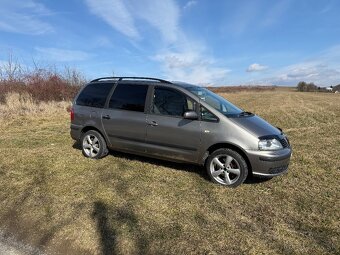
[(310, 87)]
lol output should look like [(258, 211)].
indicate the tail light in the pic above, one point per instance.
[(72, 114)]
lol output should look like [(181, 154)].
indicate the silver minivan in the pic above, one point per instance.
[(179, 122)]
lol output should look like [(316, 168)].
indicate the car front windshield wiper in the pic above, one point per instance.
[(243, 114), (239, 115)]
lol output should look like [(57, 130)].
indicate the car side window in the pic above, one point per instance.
[(171, 102), (206, 115), (94, 95), (129, 97)]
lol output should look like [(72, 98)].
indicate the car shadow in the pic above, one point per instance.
[(251, 179), (164, 163), (76, 145), (191, 168)]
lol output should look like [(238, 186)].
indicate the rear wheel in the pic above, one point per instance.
[(93, 145), (227, 167)]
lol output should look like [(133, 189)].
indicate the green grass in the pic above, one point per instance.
[(54, 198)]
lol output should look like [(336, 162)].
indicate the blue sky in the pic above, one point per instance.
[(277, 42)]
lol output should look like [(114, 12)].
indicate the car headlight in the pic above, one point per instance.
[(271, 144)]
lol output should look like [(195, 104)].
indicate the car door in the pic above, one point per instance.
[(124, 118), (168, 134)]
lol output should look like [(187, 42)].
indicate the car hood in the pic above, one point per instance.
[(256, 125)]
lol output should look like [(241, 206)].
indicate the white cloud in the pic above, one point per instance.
[(189, 4), (191, 65), (256, 68), (116, 14), (61, 55), (320, 74), (24, 17), (125, 15), (323, 69), (163, 15), (186, 59), (180, 58)]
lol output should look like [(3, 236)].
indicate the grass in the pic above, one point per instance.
[(54, 198)]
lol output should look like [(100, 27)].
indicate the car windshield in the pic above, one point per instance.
[(215, 101)]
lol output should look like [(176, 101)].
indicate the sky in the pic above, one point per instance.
[(210, 42)]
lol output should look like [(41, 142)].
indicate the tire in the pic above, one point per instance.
[(93, 145), (231, 175)]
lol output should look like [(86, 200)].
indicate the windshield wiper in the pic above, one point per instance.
[(246, 114), (237, 115)]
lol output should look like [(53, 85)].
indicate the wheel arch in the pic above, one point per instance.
[(88, 128), (231, 146)]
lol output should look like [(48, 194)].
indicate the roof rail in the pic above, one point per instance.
[(131, 78)]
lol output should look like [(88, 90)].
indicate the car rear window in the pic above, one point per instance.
[(94, 95), (129, 97)]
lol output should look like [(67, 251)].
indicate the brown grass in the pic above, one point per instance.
[(23, 104), (54, 198)]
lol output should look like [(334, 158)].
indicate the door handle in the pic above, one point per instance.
[(107, 117), (153, 123)]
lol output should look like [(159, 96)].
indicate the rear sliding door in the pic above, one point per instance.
[(124, 119)]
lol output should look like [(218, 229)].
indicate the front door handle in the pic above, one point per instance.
[(107, 117), (153, 123)]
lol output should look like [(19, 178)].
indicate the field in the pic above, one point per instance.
[(54, 198)]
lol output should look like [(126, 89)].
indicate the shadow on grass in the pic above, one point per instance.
[(117, 222), (251, 179), (107, 235), (76, 145), (191, 168), (178, 166)]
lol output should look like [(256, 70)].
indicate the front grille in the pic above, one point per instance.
[(284, 142), (276, 170)]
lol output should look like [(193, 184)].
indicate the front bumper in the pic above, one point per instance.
[(269, 163)]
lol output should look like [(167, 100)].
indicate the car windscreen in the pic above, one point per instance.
[(215, 101)]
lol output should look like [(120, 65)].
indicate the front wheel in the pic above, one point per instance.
[(227, 167), (93, 145)]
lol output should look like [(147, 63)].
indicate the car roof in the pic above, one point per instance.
[(184, 84), (142, 80)]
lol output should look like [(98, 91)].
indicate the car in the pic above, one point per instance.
[(179, 122)]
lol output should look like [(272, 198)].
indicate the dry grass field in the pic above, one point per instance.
[(54, 198)]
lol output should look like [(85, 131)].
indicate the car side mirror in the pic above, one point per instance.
[(190, 115)]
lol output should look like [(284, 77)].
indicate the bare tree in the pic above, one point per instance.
[(73, 77), (12, 70)]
